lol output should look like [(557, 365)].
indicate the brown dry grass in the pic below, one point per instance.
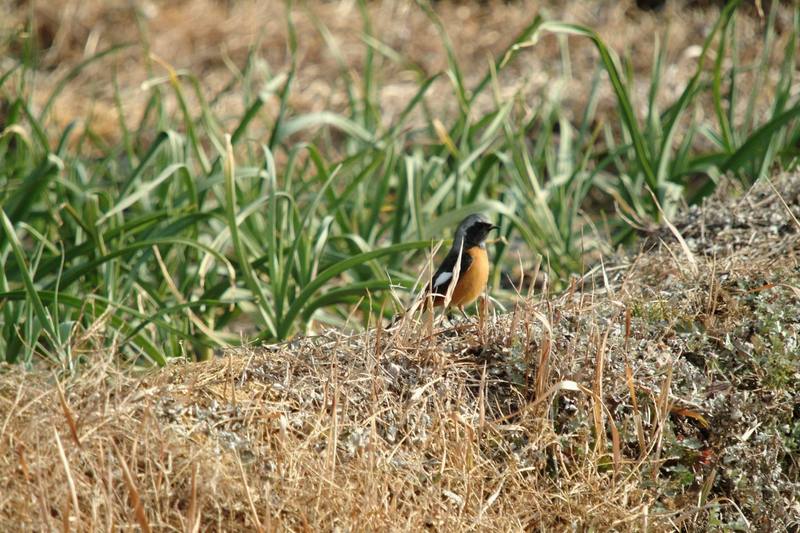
[(648, 395)]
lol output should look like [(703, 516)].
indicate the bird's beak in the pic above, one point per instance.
[(494, 227)]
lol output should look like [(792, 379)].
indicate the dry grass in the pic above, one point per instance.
[(650, 395), (659, 393)]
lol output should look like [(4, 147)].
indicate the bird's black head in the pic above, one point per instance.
[(473, 231)]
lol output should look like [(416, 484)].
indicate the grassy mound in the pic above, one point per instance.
[(655, 394)]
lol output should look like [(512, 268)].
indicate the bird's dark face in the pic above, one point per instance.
[(473, 231)]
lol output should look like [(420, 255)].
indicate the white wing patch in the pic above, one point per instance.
[(441, 279)]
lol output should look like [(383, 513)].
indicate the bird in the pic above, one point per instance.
[(467, 262)]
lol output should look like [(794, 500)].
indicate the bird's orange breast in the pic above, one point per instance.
[(471, 283)]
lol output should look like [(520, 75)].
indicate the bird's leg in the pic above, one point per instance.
[(461, 308)]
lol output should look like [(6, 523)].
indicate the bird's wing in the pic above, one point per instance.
[(444, 275)]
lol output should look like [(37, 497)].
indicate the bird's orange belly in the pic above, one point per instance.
[(472, 283)]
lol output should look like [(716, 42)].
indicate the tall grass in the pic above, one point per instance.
[(184, 238)]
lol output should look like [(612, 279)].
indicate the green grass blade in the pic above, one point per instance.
[(119, 322), (141, 192), (33, 296), (623, 99), (250, 278), (334, 270), (754, 147)]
